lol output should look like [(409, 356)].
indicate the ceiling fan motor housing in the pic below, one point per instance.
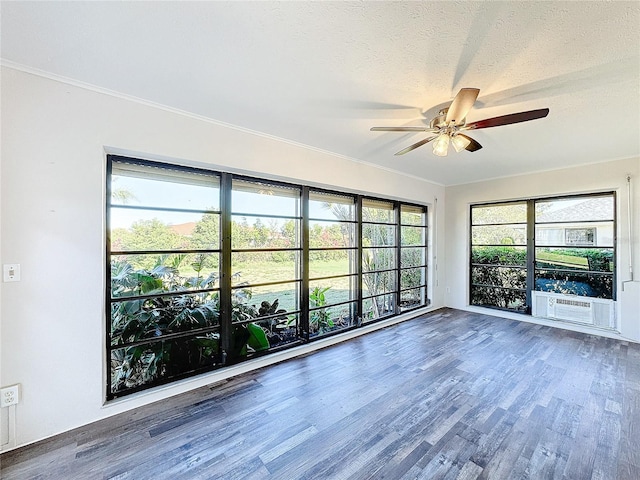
[(440, 119)]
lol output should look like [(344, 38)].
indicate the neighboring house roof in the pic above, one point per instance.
[(184, 229), (595, 208)]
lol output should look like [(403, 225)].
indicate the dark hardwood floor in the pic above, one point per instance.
[(450, 395)]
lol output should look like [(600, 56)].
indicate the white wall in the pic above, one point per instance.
[(52, 175), (599, 177), (54, 137)]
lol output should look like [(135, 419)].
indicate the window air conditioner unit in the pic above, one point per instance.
[(598, 312)]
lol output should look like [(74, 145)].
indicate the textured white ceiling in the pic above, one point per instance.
[(323, 73)]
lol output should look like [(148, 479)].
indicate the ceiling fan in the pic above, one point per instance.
[(450, 122)]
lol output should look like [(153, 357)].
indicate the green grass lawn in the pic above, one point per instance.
[(265, 272), (563, 260)]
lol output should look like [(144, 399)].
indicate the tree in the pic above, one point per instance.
[(499, 224), (120, 195), (146, 235), (206, 234), (152, 235), (374, 259), (260, 234), (288, 232)]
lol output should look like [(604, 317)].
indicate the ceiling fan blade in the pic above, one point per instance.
[(473, 145), (401, 129), (461, 105), (508, 119), (415, 145)]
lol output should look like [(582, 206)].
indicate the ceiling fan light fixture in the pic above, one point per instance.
[(446, 126), (459, 142), (441, 145)]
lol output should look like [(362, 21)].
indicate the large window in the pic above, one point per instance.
[(499, 255), (207, 269), (265, 266), (332, 268), (413, 259), (164, 274), (562, 245), (379, 258), (578, 261)]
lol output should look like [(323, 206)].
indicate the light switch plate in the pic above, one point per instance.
[(11, 272)]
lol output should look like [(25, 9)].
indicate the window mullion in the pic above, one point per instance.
[(396, 207), (108, 293), (304, 289), (225, 266), (531, 251), (359, 313)]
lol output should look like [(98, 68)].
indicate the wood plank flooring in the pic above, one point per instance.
[(449, 395)]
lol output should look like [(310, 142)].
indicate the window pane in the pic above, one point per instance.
[(326, 263), (205, 233), (330, 291), (575, 234), (135, 366), (549, 235), (499, 235), (138, 319), (498, 297), (412, 257), (331, 234), (184, 355), (513, 277), (499, 255), (149, 186), (413, 277), (378, 282), (412, 298), (499, 214), (264, 199), (148, 230), (378, 307), (251, 232), (152, 362), (377, 211), (246, 301), (133, 275), (279, 330), (575, 283), (413, 235), (411, 215), (378, 235), (586, 259), (575, 209), (265, 267), (378, 259), (331, 206), (330, 319)]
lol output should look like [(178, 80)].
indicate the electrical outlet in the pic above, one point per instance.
[(9, 395)]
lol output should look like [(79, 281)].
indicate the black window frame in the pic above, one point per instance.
[(513, 292), (394, 247), (225, 286), (531, 267), (612, 275), (424, 226)]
